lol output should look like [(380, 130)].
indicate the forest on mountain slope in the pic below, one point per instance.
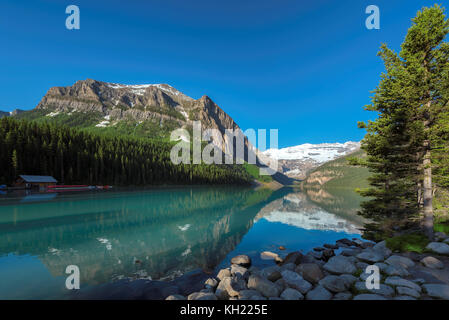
[(74, 156), (87, 121)]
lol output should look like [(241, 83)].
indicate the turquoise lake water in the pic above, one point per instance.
[(157, 234)]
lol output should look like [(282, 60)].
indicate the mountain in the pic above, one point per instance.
[(151, 110), (144, 110), (16, 112), (11, 113), (338, 174), (297, 161), (333, 185)]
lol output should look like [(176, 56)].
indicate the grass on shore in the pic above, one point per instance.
[(415, 242), (442, 227), (253, 170)]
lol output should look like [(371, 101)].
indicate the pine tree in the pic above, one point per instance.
[(74, 156), (411, 100)]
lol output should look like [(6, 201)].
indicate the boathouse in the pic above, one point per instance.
[(26, 181)]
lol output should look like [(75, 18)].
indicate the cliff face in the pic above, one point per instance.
[(159, 104), (150, 102), (212, 116)]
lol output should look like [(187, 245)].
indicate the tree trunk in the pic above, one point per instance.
[(419, 187), (427, 165), (427, 193), (420, 196)]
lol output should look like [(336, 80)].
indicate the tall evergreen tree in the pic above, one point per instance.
[(411, 101)]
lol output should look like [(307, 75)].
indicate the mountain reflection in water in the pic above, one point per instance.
[(156, 234), (294, 209)]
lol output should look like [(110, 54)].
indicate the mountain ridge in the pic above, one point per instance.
[(158, 103), (148, 110), (155, 110), (338, 173), (10, 113), (297, 161)]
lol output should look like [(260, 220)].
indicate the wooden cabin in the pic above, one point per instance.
[(41, 182)]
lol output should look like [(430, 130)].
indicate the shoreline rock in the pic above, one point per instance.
[(321, 274)]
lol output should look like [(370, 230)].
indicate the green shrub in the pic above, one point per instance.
[(442, 227), (415, 242)]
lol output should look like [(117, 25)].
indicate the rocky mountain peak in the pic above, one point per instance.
[(93, 95), (114, 102), (205, 100), (212, 116)]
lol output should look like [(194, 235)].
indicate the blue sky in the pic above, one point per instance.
[(303, 67)]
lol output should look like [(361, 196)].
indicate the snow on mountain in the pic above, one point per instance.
[(318, 152), (298, 160), (139, 89)]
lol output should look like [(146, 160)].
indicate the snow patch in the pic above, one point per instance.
[(187, 251), (103, 124), (54, 251), (293, 172), (182, 111), (319, 153), (53, 114), (139, 89), (184, 227), (105, 242)]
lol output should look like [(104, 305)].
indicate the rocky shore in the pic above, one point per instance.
[(335, 272)]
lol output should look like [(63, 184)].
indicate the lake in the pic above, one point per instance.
[(158, 234)]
